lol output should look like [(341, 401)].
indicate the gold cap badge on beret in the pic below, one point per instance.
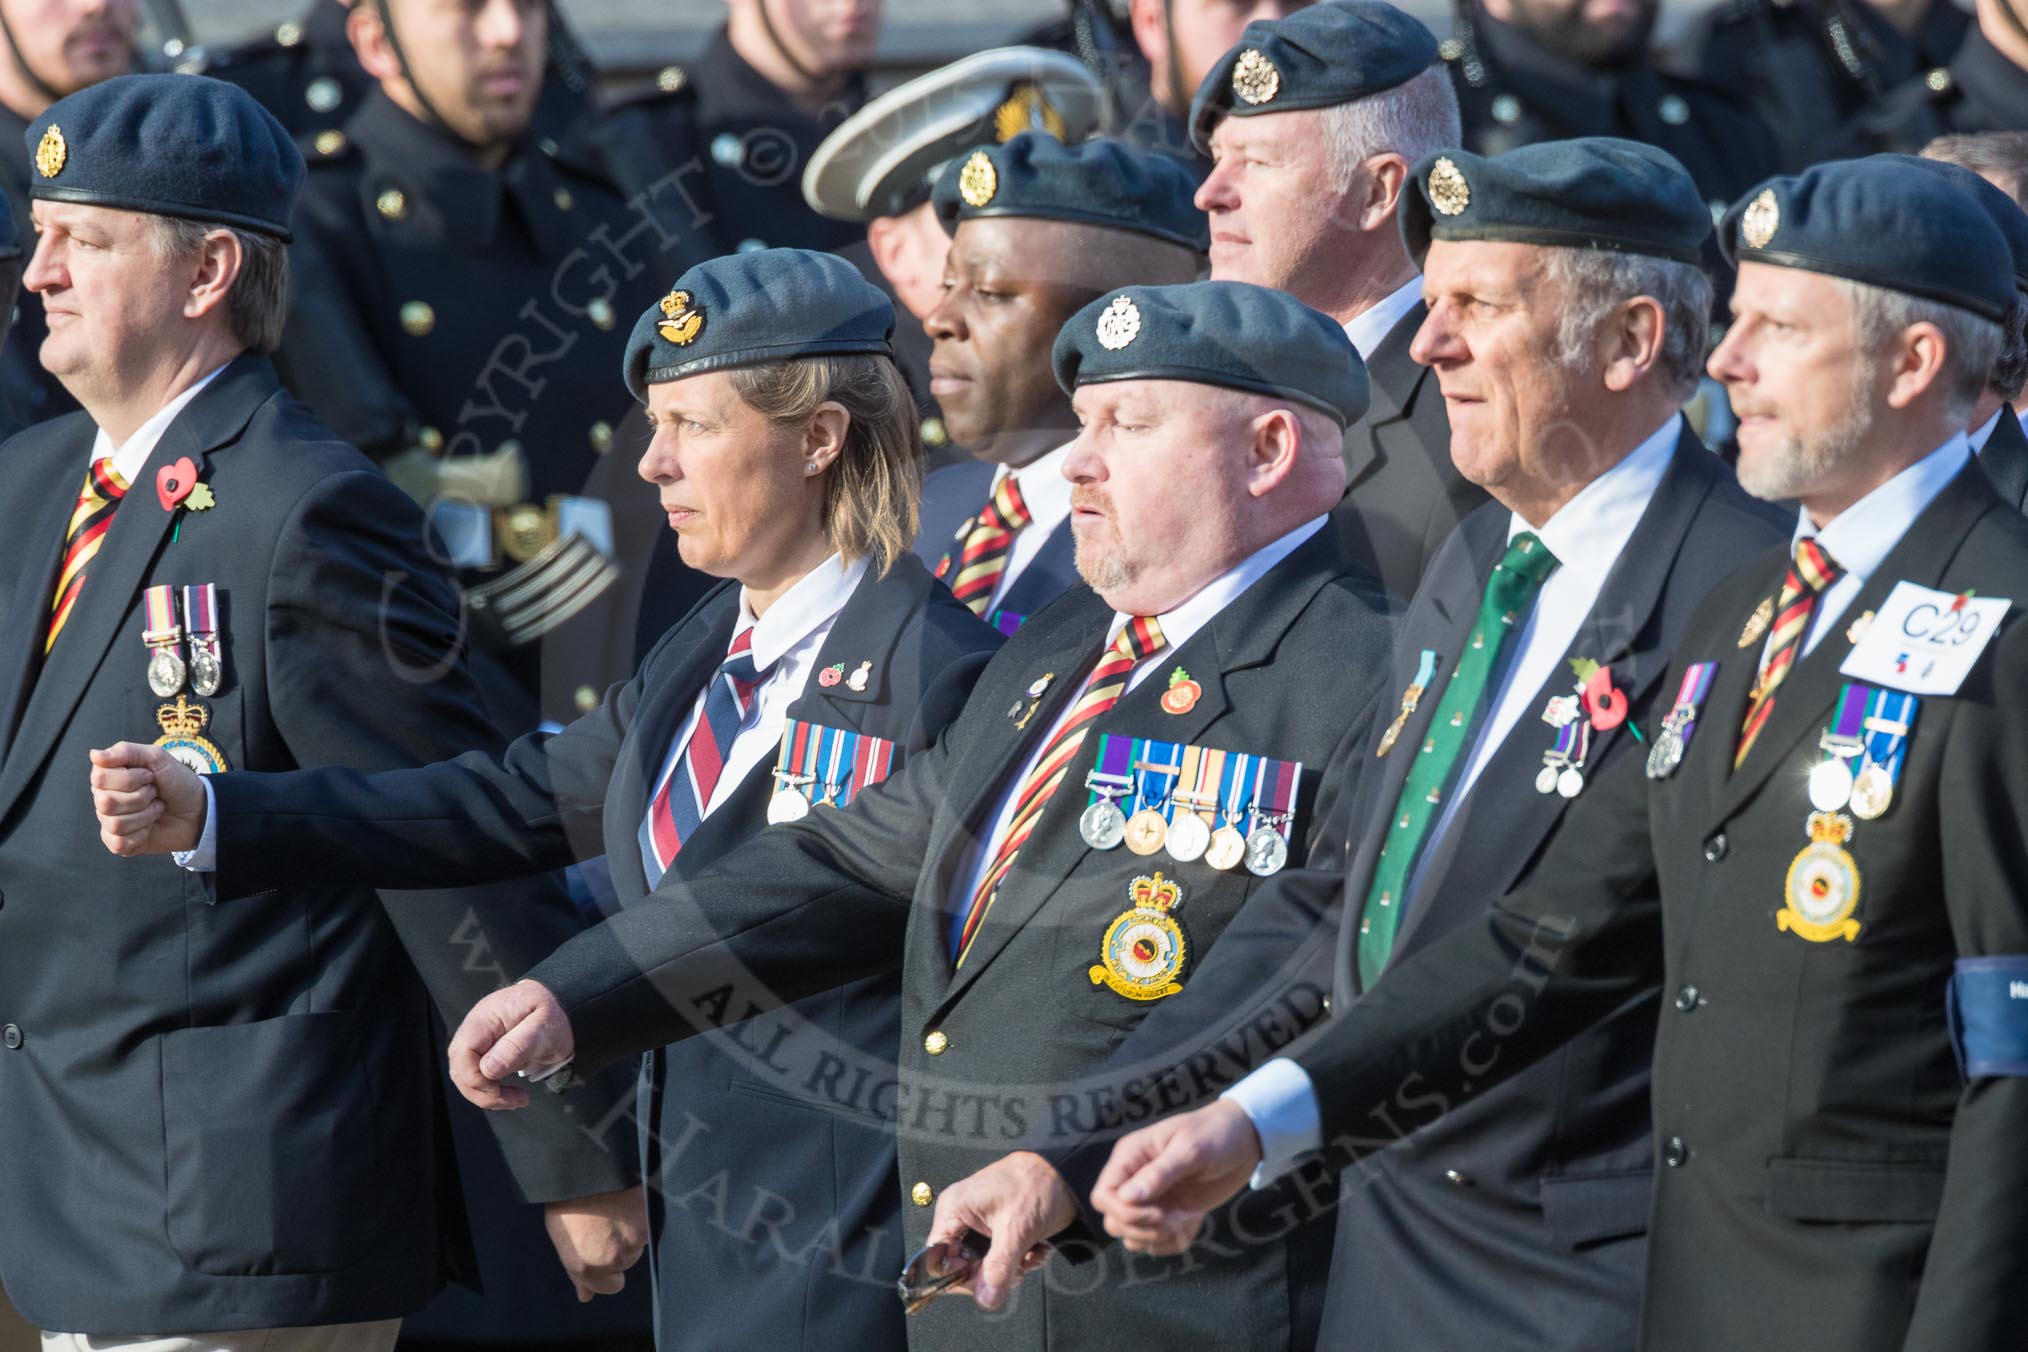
[(1449, 194), (1026, 109), (1763, 216), (682, 321), (1255, 78), (978, 180), (1120, 324), (53, 153)]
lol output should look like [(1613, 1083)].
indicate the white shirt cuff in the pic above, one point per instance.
[(1282, 1104), (203, 859)]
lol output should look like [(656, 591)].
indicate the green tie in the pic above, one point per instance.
[(1509, 593)]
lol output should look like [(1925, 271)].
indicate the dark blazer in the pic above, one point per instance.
[(775, 1217), (1829, 1180), (951, 497), (1403, 496), (2005, 460), (227, 1114), (994, 1051)]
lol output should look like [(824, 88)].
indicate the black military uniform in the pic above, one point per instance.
[(754, 144), (1838, 1074), (1513, 91), (1978, 89), (1812, 68), (133, 1079), (474, 316), (31, 395)]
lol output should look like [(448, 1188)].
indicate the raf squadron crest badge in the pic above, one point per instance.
[(1143, 949)]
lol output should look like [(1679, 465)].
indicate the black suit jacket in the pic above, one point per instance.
[(1828, 1180), (1403, 496), (774, 1210), (2005, 460), (951, 497), (833, 899), (227, 1114)]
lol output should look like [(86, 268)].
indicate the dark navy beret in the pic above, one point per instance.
[(1881, 221), (2004, 210), (1097, 183), (169, 145), (745, 309), (1234, 334), (1592, 192), (1318, 57)]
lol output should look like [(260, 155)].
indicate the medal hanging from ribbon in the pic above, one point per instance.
[(1425, 671), (1155, 766), (1189, 834), (1224, 807), (1890, 717), (200, 619), (1563, 764), (824, 766), (1863, 753), (164, 640), (1674, 738), (1103, 824), (1235, 788), (1831, 778), (1273, 817)]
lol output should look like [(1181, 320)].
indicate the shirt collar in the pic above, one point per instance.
[(1181, 624), (816, 597), (1592, 528), (1982, 434), (1859, 537), (130, 458), (1043, 487), (1369, 328)]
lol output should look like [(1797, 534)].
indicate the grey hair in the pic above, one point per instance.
[(257, 306), (1999, 157), (1413, 119), (1973, 345), (1596, 281)]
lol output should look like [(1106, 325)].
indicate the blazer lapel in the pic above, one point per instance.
[(1396, 382), (1920, 556), (2005, 460), (1051, 573), (48, 495)]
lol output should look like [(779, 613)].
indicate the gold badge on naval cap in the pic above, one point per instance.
[(1255, 78), (52, 154), (1026, 109), (978, 180), (1449, 194), (682, 320), (1120, 324), (1762, 218)]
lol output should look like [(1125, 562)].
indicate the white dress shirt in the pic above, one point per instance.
[(131, 457), (1983, 433), (1178, 627), (788, 637), (1369, 328), (1587, 536), (1047, 495)]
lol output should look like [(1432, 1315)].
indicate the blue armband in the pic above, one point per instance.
[(1987, 1004)]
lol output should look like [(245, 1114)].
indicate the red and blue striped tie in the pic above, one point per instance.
[(685, 792), (1813, 572)]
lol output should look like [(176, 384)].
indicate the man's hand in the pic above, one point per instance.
[(147, 801), (520, 1027), (598, 1238), (1161, 1180), (1018, 1202)]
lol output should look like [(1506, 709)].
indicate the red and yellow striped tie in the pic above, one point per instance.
[(89, 522), (983, 549), (1813, 572), (1139, 640)]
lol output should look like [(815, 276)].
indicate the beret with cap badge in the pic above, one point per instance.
[(1101, 183)]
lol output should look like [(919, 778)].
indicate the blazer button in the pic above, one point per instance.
[(1716, 848), (1688, 999), (1456, 1179), (11, 1035), (921, 1194), (936, 1044), (1327, 1004), (1674, 1153)]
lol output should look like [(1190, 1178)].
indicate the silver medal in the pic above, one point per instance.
[(1571, 782), (1103, 825), (788, 805), (1266, 852), (1831, 785), (165, 672), (1188, 837), (1666, 754), (1545, 779), (206, 673)]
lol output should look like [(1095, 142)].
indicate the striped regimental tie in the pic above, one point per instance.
[(982, 548), (89, 522), (1812, 573), (1138, 641), (685, 792)]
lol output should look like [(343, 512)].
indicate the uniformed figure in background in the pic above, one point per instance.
[(458, 316), (1536, 70), (878, 167), (1812, 68), (48, 49), (770, 85), (1983, 87), (1312, 123), (1179, 41), (1827, 830), (1038, 230)]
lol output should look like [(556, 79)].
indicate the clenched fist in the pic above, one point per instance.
[(147, 801)]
